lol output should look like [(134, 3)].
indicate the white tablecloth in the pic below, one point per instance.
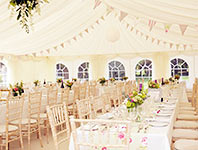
[(156, 138)]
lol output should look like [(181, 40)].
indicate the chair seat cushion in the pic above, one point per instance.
[(42, 116), (187, 117), (188, 112), (186, 145), (25, 121), (187, 104), (185, 134), (10, 128), (186, 124), (186, 108)]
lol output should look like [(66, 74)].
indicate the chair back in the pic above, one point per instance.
[(52, 95), (97, 105), (100, 134), (84, 109), (59, 122)]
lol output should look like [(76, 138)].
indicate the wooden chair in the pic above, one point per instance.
[(52, 95), (107, 102), (59, 122), (100, 134), (97, 105), (10, 132), (32, 124), (84, 109), (82, 92)]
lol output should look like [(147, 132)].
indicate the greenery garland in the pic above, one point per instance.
[(25, 9)]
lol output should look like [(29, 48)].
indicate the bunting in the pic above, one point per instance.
[(122, 15), (97, 3), (151, 24), (183, 28), (167, 27)]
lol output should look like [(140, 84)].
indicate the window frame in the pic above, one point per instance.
[(84, 71), (117, 69), (62, 70)]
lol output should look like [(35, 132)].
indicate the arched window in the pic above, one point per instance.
[(3, 74), (62, 71), (116, 70), (144, 70), (83, 71), (179, 67)]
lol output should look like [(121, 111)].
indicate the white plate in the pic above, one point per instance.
[(158, 124)]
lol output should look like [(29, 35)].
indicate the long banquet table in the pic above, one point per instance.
[(154, 135)]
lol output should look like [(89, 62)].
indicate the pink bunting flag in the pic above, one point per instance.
[(185, 46), (158, 42), (171, 45), (48, 51), (151, 24), (122, 15), (97, 3), (183, 28), (62, 45), (167, 27), (164, 42), (153, 40), (74, 38)]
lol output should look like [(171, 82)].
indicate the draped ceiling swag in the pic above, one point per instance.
[(74, 27)]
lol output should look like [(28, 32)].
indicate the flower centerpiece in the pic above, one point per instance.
[(172, 80), (152, 84), (17, 89), (102, 80), (112, 80), (25, 10), (134, 100), (69, 84), (59, 80), (177, 77), (74, 79), (36, 83), (124, 78), (166, 81)]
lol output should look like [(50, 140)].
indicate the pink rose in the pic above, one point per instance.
[(130, 140), (16, 89), (104, 148), (144, 139), (158, 111), (121, 135)]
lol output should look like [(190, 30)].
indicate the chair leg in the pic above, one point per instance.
[(39, 131), (29, 144), (21, 141), (47, 134)]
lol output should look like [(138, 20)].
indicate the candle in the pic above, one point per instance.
[(162, 80), (155, 81)]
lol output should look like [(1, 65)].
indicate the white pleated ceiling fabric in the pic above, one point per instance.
[(86, 31)]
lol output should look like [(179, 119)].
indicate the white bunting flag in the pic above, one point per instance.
[(147, 37), (55, 48), (131, 28), (80, 34), (34, 54), (48, 51)]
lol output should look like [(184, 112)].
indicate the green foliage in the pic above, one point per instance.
[(24, 10)]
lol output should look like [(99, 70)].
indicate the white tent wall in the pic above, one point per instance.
[(40, 68)]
